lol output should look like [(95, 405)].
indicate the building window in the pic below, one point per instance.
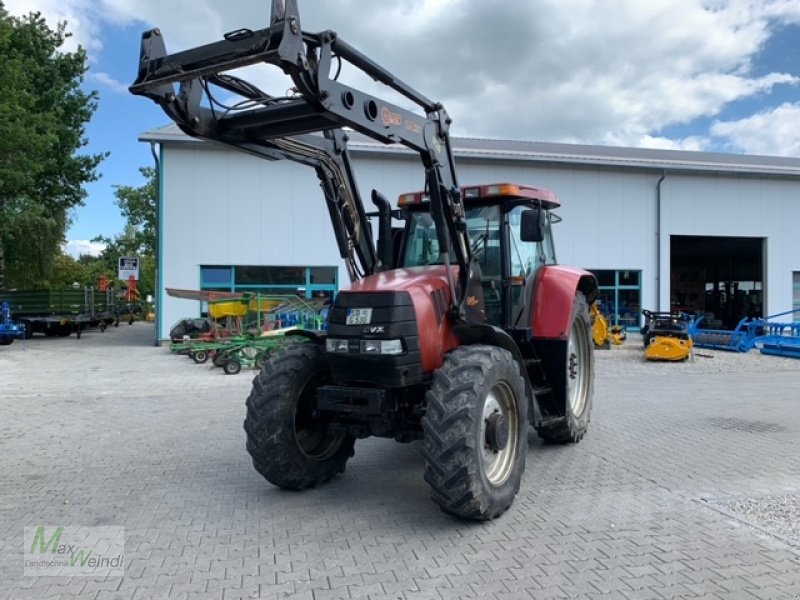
[(620, 296), (291, 276), (211, 277), (308, 282)]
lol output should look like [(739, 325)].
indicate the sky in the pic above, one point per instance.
[(708, 75)]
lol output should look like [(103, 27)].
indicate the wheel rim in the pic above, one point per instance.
[(314, 439), (498, 464), (577, 368)]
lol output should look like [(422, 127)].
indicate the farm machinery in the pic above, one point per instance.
[(769, 335), (61, 312), (603, 334), (9, 330), (244, 329), (667, 336), (458, 330)]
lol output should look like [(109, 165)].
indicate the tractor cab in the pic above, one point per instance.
[(509, 229)]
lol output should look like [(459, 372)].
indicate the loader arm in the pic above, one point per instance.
[(285, 127)]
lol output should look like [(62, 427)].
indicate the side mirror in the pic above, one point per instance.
[(532, 225)]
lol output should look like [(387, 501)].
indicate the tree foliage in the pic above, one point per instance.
[(138, 206), (43, 114)]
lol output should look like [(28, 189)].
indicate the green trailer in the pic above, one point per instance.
[(59, 312)]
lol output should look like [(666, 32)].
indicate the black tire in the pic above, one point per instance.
[(199, 356), (28, 327), (472, 475), (232, 367), (6, 340), (64, 330), (578, 391), (220, 357), (289, 448)]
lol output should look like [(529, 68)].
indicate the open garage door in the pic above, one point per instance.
[(719, 277)]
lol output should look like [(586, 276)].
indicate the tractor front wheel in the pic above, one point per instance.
[(476, 432), (289, 445)]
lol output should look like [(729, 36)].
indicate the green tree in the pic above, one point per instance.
[(138, 206), (66, 272), (43, 114)]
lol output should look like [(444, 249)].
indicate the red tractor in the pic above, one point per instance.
[(458, 329)]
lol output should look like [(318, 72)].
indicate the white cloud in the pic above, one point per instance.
[(772, 132), (614, 72), (108, 81), (75, 248), (693, 143)]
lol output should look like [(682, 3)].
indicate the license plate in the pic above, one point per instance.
[(358, 316)]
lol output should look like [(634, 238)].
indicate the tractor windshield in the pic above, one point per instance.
[(483, 224)]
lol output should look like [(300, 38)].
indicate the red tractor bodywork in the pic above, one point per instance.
[(429, 293)]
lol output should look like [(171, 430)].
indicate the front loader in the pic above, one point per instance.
[(461, 332)]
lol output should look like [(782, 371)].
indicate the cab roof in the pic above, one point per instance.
[(502, 192)]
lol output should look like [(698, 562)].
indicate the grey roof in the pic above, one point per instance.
[(564, 154)]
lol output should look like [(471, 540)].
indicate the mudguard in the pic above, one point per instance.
[(553, 297)]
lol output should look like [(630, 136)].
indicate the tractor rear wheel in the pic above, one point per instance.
[(290, 447), (476, 432), (579, 386)]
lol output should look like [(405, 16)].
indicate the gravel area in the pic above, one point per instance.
[(777, 514)]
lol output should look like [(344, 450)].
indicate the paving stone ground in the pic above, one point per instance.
[(109, 430)]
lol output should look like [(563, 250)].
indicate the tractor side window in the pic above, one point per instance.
[(483, 225), (526, 257)]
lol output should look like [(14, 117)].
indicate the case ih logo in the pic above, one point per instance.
[(374, 329), (390, 118)]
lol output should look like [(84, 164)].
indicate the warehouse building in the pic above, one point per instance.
[(715, 234)]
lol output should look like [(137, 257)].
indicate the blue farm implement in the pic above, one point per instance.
[(9, 330), (768, 335)]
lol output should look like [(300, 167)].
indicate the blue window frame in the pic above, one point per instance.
[(305, 281), (620, 296)]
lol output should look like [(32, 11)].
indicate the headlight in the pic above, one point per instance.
[(334, 345), (381, 347)]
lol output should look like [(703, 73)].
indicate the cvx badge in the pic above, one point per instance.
[(375, 329)]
